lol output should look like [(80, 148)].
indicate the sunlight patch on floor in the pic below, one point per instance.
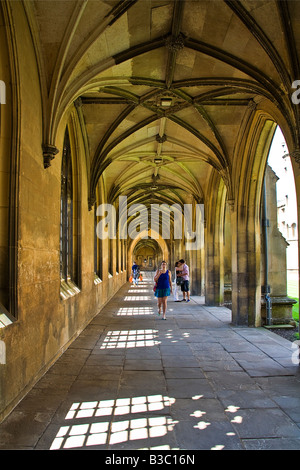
[(130, 339), (118, 431), (129, 311)]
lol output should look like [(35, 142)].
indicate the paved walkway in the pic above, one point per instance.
[(134, 381)]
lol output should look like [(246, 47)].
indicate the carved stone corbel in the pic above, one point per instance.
[(49, 152), (91, 202)]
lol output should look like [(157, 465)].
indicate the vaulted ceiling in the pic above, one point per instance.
[(162, 87)]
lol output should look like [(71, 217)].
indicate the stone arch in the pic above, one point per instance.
[(214, 237), (245, 221)]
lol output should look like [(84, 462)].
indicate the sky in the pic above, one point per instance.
[(286, 196), (283, 168)]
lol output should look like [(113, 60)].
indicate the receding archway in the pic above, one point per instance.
[(142, 241), (147, 254)]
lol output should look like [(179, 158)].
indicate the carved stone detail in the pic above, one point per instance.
[(49, 152), (252, 105), (175, 43), (161, 139), (91, 202), (231, 203)]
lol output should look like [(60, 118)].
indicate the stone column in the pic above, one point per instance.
[(227, 254), (214, 285), (196, 273), (246, 279)]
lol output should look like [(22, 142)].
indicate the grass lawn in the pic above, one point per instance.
[(292, 291)]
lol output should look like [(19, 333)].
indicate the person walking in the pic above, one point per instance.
[(163, 282), (185, 286)]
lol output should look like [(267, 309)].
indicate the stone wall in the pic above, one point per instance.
[(44, 324)]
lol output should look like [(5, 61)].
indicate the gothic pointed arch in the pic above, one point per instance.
[(245, 222)]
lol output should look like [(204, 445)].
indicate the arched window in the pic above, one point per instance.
[(122, 255), (4, 229), (66, 213), (117, 255), (110, 256), (68, 252), (9, 161), (97, 252), (125, 254)]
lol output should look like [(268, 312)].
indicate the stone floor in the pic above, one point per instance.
[(133, 381)]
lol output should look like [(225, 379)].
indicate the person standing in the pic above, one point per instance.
[(175, 289), (163, 281), (185, 286), (135, 273)]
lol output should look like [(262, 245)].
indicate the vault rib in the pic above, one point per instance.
[(262, 39), (175, 42)]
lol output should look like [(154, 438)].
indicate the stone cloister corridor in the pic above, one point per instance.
[(140, 130), (132, 381)]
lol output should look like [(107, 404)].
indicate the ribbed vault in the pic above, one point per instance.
[(163, 88)]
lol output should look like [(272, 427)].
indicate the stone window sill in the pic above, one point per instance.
[(97, 279), (5, 317), (68, 289)]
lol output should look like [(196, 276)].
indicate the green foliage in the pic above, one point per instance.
[(292, 291)]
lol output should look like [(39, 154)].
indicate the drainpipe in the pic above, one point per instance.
[(267, 287)]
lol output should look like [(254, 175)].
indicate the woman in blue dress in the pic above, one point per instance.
[(163, 281)]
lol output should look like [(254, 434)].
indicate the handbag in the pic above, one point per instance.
[(179, 280), (155, 286), (130, 279)]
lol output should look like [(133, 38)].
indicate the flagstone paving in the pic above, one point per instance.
[(133, 381)]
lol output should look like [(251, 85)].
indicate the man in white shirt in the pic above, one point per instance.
[(185, 286)]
